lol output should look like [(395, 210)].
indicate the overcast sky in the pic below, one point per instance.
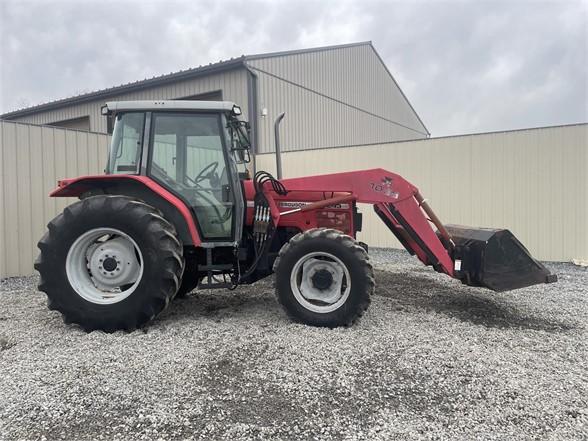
[(465, 66)]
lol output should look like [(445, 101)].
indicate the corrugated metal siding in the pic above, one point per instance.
[(232, 83), (352, 75), (314, 122), (533, 182), (32, 159)]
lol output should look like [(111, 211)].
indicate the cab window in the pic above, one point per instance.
[(127, 138)]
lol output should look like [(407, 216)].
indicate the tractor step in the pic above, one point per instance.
[(214, 270), (215, 267)]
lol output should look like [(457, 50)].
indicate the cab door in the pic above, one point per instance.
[(189, 156)]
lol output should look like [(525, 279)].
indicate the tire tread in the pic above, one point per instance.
[(359, 253), (170, 253)]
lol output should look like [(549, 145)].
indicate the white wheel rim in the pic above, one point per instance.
[(104, 266), (317, 300)]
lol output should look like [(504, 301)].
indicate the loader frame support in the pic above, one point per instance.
[(396, 201), (411, 239)]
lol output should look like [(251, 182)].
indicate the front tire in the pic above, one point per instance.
[(109, 263), (324, 278)]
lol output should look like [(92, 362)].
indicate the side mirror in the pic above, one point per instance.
[(242, 155), (240, 145)]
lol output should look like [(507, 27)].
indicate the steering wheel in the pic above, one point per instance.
[(206, 172)]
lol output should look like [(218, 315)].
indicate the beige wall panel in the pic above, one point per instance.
[(81, 144), (533, 182), (59, 164), (48, 154), (71, 154), (2, 205), (37, 193), (23, 175), (33, 158), (97, 148), (10, 208)]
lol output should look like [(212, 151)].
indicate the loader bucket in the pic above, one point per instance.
[(495, 259)]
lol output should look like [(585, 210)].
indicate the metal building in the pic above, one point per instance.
[(333, 96)]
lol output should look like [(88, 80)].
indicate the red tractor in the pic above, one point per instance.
[(177, 210)]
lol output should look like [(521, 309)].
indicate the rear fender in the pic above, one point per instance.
[(140, 187)]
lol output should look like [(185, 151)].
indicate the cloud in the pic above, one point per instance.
[(465, 66), (490, 65)]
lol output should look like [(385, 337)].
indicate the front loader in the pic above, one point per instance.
[(177, 210)]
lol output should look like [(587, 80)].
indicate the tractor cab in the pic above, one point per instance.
[(197, 150)]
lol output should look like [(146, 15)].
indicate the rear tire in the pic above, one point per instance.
[(70, 253), (306, 290)]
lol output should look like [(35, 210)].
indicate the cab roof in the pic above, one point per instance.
[(215, 106)]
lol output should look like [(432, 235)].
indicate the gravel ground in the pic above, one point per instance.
[(431, 359)]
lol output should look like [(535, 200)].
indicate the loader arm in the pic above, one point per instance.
[(395, 200), (491, 258)]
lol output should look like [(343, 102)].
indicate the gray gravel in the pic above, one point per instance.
[(431, 359)]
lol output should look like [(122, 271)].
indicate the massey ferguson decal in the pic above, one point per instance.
[(385, 187), (295, 204)]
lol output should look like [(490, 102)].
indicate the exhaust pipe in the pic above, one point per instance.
[(278, 147), (494, 259)]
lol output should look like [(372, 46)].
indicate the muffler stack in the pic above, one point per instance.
[(495, 259)]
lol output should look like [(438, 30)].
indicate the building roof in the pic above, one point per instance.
[(220, 66)]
